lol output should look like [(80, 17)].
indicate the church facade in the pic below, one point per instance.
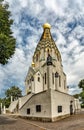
[(47, 95)]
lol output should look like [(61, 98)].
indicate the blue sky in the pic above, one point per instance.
[(67, 20)]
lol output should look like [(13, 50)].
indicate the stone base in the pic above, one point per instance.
[(45, 119), (60, 117)]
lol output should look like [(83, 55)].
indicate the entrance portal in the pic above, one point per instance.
[(71, 107)]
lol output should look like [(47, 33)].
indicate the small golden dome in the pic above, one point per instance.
[(33, 64), (46, 25)]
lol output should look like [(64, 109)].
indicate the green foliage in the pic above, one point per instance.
[(5, 101), (13, 91), (76, 95), (1, 1), (81, 84), (0, 100), (82, 105), (82, 94), (7, 41)]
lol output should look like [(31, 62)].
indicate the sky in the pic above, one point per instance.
[(67, 21)]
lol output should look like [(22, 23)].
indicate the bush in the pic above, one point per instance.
[(82, 105)]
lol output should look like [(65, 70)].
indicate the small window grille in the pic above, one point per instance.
[(28, 111), (38, 108), (59, 109)]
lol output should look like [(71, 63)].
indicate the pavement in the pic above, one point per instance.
[(74, 122)]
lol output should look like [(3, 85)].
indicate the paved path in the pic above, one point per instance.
[(74, 122), (7, 123)]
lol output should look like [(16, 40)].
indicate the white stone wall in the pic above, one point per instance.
[(13, 106), (42, 99), (24, 99), (49, 101), (39, 65), (77, 104), (38, 84), (44, 70), (60, 99)]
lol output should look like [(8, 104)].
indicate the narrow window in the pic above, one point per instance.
[(28, 81), (37, 57), (28, 111), (38, 79), (32, 78), (45, 78), (59, 80), (38, 108), (48, 51), (59, 109), (64, 84), (53, 78)]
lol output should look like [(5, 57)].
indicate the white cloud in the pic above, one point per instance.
[(54, 6)]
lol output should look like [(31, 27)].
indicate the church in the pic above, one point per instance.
[(47, 97)]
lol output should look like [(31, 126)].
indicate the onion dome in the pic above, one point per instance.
[(46, 25), (33, 64)]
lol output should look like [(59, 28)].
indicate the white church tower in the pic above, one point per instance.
[(46, 71), (47, 97)]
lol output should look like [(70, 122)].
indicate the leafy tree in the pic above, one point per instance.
[(82, 95), (76, 95), (14, 91), (7, 41), (5, 101), (81, 84)]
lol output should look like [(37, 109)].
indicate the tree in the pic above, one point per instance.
[(81, 84), (5, 101), (7, 41), (14, 91), (82, 95), (76, 96)]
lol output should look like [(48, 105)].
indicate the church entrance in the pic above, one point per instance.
[(71, 107)]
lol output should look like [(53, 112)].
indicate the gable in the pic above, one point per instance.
[(30, 72)]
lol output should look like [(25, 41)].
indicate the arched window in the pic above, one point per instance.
[(48, 51), (37, 57), (45, 78), (38, 79), (56, 75), (59, 80), (28, 81), (53, 78), (64, 84)]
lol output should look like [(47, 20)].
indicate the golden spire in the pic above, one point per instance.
[(46, 25)]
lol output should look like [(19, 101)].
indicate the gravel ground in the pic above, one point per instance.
[(7, 123), (74, 122)]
